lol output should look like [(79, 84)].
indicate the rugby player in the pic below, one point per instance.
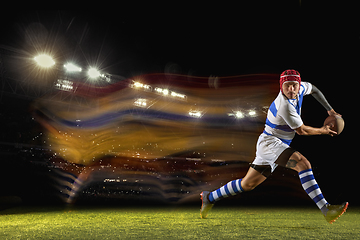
[(273, 147)]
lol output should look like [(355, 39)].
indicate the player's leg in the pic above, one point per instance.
[(252, 179), (260, 169), (300, 164)]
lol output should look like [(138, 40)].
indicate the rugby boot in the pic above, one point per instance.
[(206, 204), (335, 211)]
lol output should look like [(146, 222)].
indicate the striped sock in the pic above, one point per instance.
[(312, 188), (231, 188)]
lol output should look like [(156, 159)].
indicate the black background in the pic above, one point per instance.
[(204, 40)]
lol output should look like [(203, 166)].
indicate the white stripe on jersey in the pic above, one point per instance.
[(284, 115)]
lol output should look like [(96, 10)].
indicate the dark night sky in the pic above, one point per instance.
[(227, 40), (211, 40)]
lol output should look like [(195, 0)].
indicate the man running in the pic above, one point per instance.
[(273, 147)]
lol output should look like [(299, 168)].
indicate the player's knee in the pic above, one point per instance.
[(303, 163), (307, 164), (298, 162), (248, 186)]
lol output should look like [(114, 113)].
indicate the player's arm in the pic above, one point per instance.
[(319, 96), (307, 130), (325, 130)]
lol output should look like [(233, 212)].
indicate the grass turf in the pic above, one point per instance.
[(174, 223)]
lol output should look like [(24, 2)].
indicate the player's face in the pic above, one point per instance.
[(291, 89)]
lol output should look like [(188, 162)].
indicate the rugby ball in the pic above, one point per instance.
[(336, 123)]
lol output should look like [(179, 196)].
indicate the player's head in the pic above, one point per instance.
[(290, 81)]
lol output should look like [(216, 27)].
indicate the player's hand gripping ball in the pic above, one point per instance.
[(336, 123)]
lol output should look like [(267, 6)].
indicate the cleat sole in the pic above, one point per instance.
[(343, 211)]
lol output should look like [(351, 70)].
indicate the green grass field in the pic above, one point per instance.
[(174, 223)]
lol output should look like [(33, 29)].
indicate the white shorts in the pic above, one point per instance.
[(268, 150)]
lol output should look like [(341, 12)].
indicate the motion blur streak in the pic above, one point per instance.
[(146, 132)]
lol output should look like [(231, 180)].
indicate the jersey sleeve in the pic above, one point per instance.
[(290, 116), (307, 87)]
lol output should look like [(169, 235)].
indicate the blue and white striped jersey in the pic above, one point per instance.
[(283, 116)]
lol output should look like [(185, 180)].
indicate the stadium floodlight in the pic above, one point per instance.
[(164, 91), (239, 114), (72, 68), (195, 114), (252, 113), (93, 73), (44, 60)]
